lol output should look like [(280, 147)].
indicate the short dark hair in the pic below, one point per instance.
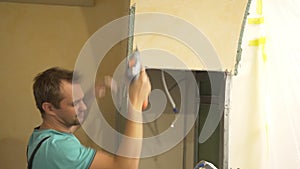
[(46, 87)]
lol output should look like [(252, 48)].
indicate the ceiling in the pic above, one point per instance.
[(56, 2)]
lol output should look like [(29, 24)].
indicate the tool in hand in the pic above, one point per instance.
[(134, 66)]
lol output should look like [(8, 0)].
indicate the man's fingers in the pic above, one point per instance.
[(100, 90)]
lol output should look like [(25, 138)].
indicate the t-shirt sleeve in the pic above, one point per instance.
[(69, 153)]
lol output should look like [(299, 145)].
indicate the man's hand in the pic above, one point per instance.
[(107, 83), (139, 91)]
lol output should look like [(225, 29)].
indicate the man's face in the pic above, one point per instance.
[(72, 109)]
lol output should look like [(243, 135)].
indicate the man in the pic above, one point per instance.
[(53, 145)]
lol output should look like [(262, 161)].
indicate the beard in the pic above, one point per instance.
[(76, 122), (80, 117)]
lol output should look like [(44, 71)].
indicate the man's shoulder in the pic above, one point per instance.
[(62, 146), (59, 138), (55, 138), (60, 143)]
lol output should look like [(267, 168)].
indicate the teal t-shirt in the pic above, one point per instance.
[(61, 150)]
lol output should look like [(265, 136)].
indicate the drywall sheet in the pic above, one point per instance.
[(193, 29)]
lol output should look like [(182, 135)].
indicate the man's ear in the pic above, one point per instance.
[(48, 108)]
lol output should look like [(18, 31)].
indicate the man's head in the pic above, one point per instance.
[(47, 86)]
